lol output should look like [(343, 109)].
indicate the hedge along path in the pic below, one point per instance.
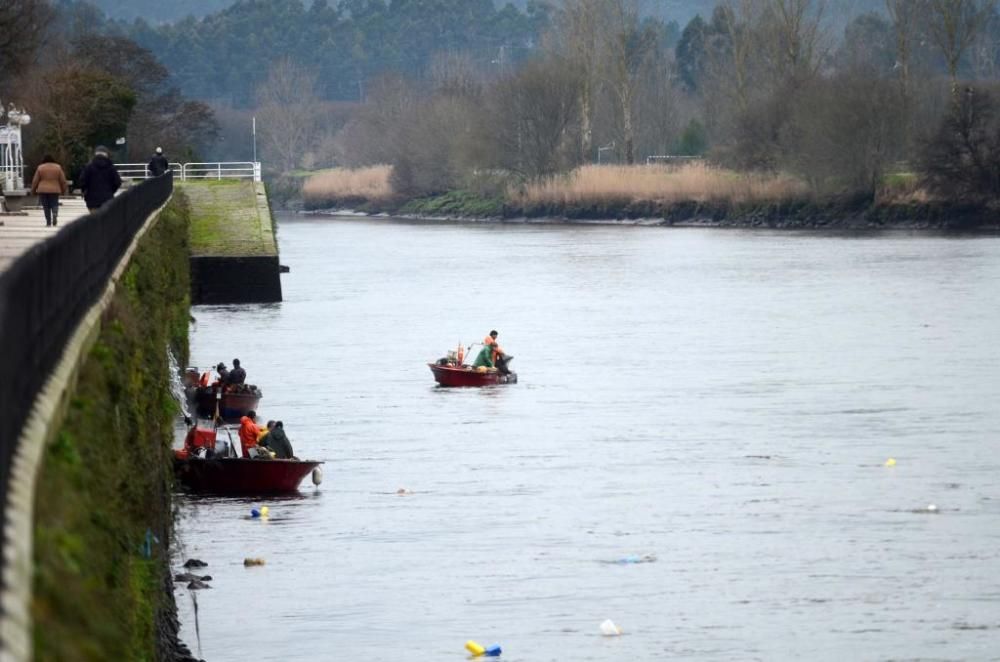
[(229, 218)]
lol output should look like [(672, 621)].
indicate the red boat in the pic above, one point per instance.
[(237, 475), (454, 375), (233, 405), (208, 464)]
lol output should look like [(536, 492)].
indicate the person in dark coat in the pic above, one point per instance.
[(158, 164), (237, 375), (99, 180), (278, 443)]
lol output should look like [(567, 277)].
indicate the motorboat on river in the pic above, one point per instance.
[(211, 465), (449, 371), (233, 402), (242, 476)]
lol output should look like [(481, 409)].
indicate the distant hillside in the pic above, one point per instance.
[(682, 11), (159, 11)]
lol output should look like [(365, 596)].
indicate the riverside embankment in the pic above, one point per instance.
[(234, 253), (695, 194), (103, 514), (87, 315), (94, 312)]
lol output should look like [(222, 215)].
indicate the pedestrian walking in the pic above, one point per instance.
[(99, 179), (158, 164), (48, 184)]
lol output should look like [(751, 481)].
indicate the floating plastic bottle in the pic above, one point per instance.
[(609, 629)]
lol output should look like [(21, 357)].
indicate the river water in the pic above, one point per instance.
[(724, 401)]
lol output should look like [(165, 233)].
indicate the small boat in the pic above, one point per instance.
[(449, 373), (209, 465), (237, 475), (233, 405)]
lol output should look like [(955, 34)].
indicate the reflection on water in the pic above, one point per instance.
[(720, 401)]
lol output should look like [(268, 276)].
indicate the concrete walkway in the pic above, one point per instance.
[(20, 232)]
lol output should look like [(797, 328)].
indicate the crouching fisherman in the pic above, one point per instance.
[(276, 441)]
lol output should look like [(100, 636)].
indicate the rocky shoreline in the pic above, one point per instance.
[(797, 215), (805, 213)]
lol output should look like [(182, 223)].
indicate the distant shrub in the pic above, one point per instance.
[(369, 183), (595, 184)]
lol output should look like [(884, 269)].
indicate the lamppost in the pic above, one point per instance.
[(601, 150), (11, 157)]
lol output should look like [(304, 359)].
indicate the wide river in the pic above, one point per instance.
[(720, 402)]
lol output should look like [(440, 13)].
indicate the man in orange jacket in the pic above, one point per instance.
[(249, 430), (491, 342)]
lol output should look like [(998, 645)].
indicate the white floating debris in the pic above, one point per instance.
[(609, 629)]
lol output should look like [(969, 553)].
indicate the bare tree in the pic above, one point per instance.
[(628, 45), (962, 160), (22, 29), (286, 113), (580, 26), (953, 25), (903, 14), (370, 137), (530, 116), (794, 38), (844, 132)]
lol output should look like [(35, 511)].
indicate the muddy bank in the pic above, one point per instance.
[(805, 214)]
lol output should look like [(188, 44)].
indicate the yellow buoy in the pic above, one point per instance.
[(474, 648), (891, 462)]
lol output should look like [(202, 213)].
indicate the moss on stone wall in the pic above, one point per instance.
[(103, 512)]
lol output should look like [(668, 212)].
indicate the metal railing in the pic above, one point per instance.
[(186, 171), (46, 292), (139, 170)]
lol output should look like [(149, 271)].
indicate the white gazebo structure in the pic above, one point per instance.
[(11, 156)]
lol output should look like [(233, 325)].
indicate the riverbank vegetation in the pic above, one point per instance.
[(897, 110), (851, 99), (85, 85), (102, 511)]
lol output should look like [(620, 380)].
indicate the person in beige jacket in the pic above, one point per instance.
[(49, 183)]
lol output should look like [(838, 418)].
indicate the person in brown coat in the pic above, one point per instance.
[(49, 183)]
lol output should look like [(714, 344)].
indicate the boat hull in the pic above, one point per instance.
[(232, 406), (241, 476), (466, 377)]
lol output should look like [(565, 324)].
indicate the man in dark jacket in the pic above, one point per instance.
[(158, 164), (278, 442), (99, 180), (237, 375)]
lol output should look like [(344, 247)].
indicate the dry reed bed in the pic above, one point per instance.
[(370, 183), (623, 184)]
